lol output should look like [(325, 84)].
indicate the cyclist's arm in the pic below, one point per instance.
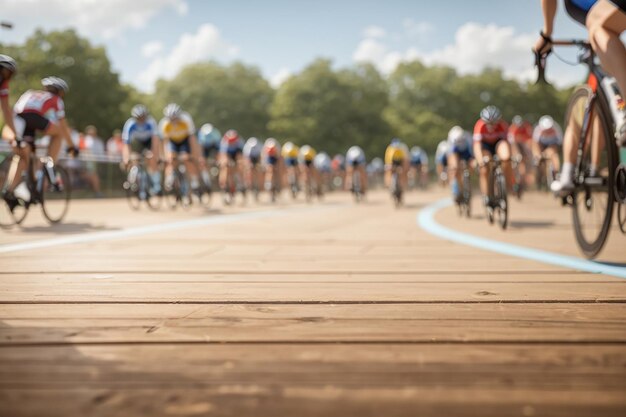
[(7, 114), (66, 133), (548, 7), (125, 153)]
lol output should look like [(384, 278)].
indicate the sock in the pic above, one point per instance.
[(567, 172)]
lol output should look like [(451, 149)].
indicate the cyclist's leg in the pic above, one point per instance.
[(24, 154), (484, 169), (349, 175), (552, 152), (504, 152), (606, 22), (454, 173), (363, 176), (222, 161)]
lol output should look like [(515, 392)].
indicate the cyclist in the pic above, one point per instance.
[(396, 157), (490, 138), (419, 167), (231, 150), (290, 154), (355, 161), (547, 138), (310, 176), (323, 165), (605, 21), (252, 158), (272, 160), (178, 132), (459, 149), (441, 162), (209, 139), (520, 136), (140, 135), (338, 166), (39, 111), (8, 68)]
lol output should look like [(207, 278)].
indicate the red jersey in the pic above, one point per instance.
[(4, 88), (520, 133), (42, 103), (490, 134)]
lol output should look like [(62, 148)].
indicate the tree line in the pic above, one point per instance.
[(330, 109)]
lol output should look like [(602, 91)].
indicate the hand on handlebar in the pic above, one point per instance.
[(73, 151), (543, 48)]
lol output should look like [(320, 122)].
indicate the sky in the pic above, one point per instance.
[(151, 39)]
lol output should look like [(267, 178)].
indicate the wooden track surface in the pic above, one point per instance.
[(328, 309)]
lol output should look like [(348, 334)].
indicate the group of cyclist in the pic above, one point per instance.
[(243, 165)]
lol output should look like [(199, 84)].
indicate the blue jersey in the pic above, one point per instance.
[(585, 5), (143, 132), (226, 147)]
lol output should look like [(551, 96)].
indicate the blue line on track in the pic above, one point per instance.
[(426, 220)]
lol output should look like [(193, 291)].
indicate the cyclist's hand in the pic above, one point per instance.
[(543, 45), (73, 151)]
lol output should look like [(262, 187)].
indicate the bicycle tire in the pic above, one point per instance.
[(55, 197), (502, 208), (583, 195), (467, 194), (9, 218), (154, 201), (621, 217), (132, 188)]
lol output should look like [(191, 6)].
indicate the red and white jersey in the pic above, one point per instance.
[(490, 134), (520, 133), (4, 88), (43, 103)]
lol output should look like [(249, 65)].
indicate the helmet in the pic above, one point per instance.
[(172, 111), (307, 153), (490, 114), (231, 136), (456, 135), (138, 111), (546, 122), (206, 128), (56, 83), (253, 142), (416, 150), (8, 63), (517, 120), (395, 141)]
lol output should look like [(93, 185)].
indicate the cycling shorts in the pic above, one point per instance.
[(291, 162), (140, 146), (210, 151), (254, 160), (490, 147), (180, 147), (233, 153), (271, 160), (356, 163), (33, 123), (308, 163), (464, 154)]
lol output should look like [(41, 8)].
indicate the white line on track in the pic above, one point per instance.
[(426, 220), (151, 229)]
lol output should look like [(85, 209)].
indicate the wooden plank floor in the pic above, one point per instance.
[(330, 309)]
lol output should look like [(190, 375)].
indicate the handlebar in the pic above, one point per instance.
[(541, 58)]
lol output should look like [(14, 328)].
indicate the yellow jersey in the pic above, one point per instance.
[(290, 151), (395, 153), (177, 130)]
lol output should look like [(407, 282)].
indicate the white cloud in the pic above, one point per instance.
[(105, 18), (206, 43), (475, 48), (280, 77), (374, 32), (151, 49)]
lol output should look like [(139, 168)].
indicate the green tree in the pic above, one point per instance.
[(232, 97), (95, 95), (332, 110)]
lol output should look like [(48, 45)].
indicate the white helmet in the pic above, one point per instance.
[(206, 128), (546, 122), (172, 111), (456, 136), (56, 83)]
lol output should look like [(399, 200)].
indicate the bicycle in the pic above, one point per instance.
[(357, 190), (464, 201), (48, 185), (234, 184), (177, 188), (599, 182), (496, 206), (545, 173), (396, 187), (518, 186), (139, 184)]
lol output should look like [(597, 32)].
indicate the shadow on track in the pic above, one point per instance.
[(67, 228)]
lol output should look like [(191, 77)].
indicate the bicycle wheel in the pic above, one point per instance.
[(593, 199), (55, 195), (621, 217), (131, 185), (502, 204), (467, 195), (147, 188)]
